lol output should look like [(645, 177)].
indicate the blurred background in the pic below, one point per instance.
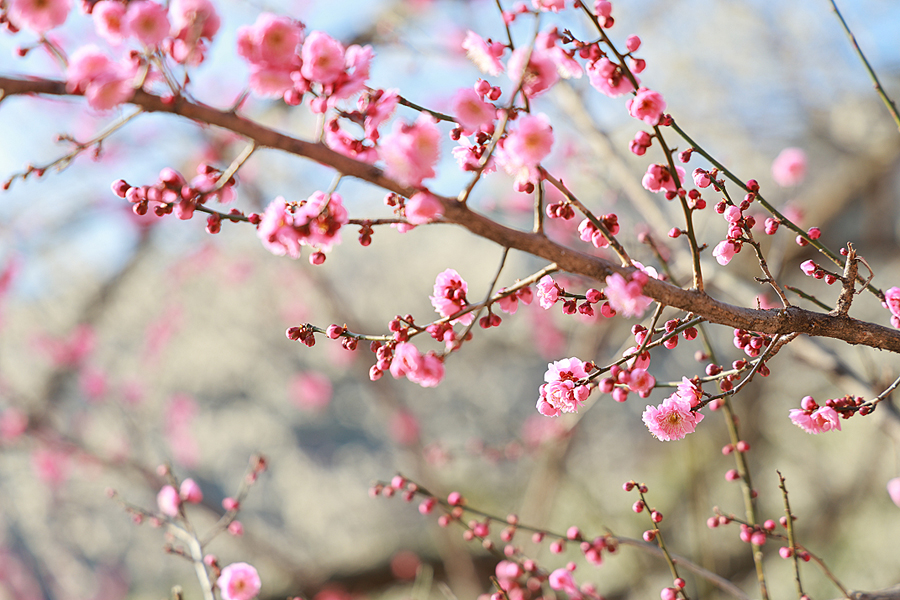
[(126, 342)]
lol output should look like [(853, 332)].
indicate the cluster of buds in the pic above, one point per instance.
[(304, 334), (173, 194), (811, 269), (588, 232), (751, 342)]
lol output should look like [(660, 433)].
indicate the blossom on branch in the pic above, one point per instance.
[(626, 295), (38, 15), (561, 393), (427, 370), (239, 581), (671, 420), (892, 303), (648, 106), (524, 148), (411, 151), (450, 296), (485, 56)]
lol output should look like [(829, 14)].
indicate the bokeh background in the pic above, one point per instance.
[(128, 343)]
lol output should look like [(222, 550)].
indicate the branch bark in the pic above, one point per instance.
[(773, 321)]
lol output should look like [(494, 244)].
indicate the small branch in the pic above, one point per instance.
[(236, 164), (809, 297), (790, 532), (892, 108), (851, 270)]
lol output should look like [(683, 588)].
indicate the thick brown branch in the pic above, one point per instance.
[(775, 321)]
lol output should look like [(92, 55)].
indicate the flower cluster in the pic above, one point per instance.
[(626, 295), (315, 222), (450, 296), (562, 392), (812, 418), (892, 303), (522, 150), (425, 369)]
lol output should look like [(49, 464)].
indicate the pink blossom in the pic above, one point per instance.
[(647, 105), (179, 416), (671, 420), (732, 214), (626, 296), (563, 580), (641, 382), (51, 465), (104, 83), (450, 296), (411, 151), (38, 15), (378, 108), (561, 393), (892, 303), (310, 391), (357, 63), (472, 113), (608, 78), (789, 167), (194, 19), (269, 82), (724, 252), (820, 420), (189, 492), (239, 581), (423, 208), (13, 423), (148, 22), (486, 57), (538, 76), (271, 41), (319, 218), (510, 304), (276, 230), (688, 390), (701, 178), (547, 44), (658, 178), (109, 21), (809, 267), (168, 501), (549, 5), (525, 147), (323, 58), (547, 292), (427, 370), (893, 489)]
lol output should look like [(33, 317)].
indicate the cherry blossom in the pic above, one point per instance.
[(658, 178), (109, 21), (276, 230), (190, 492), (671, 420), (549, 5), (724, 252), (323, 58), (239, 581), (535, 77), (608, 78), (426, 370)]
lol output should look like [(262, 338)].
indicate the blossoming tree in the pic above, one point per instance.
[(504, 133)]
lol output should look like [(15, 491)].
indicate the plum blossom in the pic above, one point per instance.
[(411, 151), (190, 492), (640, 381), (724, 252), (549, 5), (566, 66), (561, 393), (316, 221), (148, 22), (323, 58), (671, 420), (690, 391), (626, 295), (892, 303), (658, 178), (563, 580), (450, 296), (423, 208), (510, 304), (608, 78), (548, 292), (648, 106), (104, 83), (168, 500), (893, 489), (109, 21), (819, 420), (193, 21), (239, 581), (427, 370), (485, 56), (38, 15), (525, 147), (789, 167), (472, 113), (535, 77)]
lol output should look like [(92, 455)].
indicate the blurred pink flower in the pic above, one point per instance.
[(893, 489), (239, 581), (789, 167), (38, 15), (311, 391), (168, 501)]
